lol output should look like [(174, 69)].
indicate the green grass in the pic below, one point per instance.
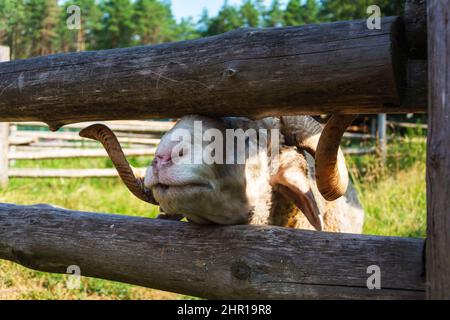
[(393, 197), (99, 195)]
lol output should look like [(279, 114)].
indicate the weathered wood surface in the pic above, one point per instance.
[(4, 133), (314, 69), (381, 138), (74, 153), (4, 147), (415, 18), (415, 90), (235, 262), (438, 164), (62, 173)]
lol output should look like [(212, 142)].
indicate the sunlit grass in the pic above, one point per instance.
[(394, 195), (97, 195)]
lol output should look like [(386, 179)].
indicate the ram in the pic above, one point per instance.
[(305, 186)]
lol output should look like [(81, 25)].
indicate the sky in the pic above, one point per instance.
[(194, 8)]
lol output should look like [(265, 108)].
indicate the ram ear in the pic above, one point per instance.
[(292, 181)]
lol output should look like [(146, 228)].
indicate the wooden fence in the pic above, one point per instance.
[(139, 137), (336, 67)]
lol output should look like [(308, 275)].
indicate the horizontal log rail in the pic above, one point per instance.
[(75, 137), (247, 262), (20, 141), (73, 153), (62, 173), (408, 125), (315, 69)]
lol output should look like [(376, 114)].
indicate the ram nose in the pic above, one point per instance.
[(161, 160)]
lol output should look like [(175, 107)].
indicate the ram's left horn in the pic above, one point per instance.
[(323, 144), (132, 177)]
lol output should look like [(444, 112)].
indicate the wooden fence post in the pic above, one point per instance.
[(4, 133), (438, 162), (382, 136)]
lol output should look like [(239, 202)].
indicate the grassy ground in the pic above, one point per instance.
[(393, 197)]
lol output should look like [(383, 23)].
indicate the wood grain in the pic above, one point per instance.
[(438, 163), (415, 18), (235, 262), (4, 133)]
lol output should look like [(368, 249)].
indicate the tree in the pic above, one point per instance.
[(227, 19), (310, 12), (292, 15), (273, 17), (12, 27), (154, 22), (42, 18), (83, 38), (250, 15), (117, 24), (186, 29), (357, 9)]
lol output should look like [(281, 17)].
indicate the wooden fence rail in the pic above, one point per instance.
[(62, 173), (234, 262), (73, 136), (326, 68), (438, 160), (74, 153)]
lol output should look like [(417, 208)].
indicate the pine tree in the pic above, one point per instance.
[(357, 9), (117, 24), (41, 21), (12, 27), (310, 12), (250, 15), (154, 22), (273, 17), (83, 38), (227, 19), (186, 29), (293, 15)]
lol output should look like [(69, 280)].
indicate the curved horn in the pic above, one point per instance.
[(133, 178), (323, 145), (331, 171)]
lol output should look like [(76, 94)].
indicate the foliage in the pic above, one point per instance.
[(38, 27)]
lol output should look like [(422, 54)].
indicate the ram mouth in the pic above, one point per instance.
[(165, 187)]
